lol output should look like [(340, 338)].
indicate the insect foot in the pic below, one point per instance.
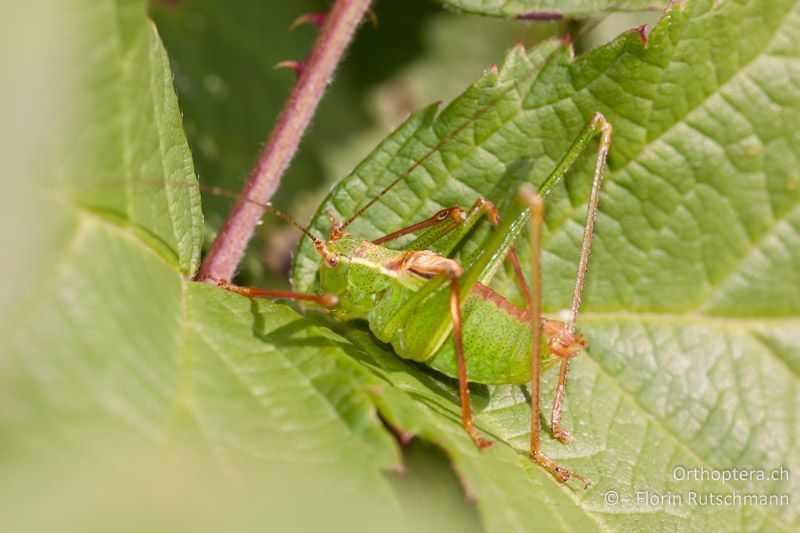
[(561, 474), (478, 439), (562, 434)]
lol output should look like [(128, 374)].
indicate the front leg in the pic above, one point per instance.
[(447, 241), (449, 226)]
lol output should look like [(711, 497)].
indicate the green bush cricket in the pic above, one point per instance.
[(432, 309)]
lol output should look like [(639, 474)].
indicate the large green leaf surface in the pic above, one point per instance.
[(692, 301), (693, 358), (546, 9)]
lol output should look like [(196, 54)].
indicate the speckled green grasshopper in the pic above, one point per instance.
[(434, 310)]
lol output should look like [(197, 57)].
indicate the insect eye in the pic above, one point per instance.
[(441, 215), (332, 261)]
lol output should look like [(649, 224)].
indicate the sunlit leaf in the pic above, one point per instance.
[(692, 307)]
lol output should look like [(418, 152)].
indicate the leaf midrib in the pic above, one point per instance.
[(694, 318)]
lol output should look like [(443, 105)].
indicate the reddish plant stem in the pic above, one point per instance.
[(335, 35)]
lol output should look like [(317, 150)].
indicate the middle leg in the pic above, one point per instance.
[(463, 385), (431, 264)]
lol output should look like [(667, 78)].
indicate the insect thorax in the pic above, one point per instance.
[(363, 274)]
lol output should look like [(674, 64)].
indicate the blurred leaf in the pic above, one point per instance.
[(132, 137), (115, 340), (125, 485), (223, 56), (547, 9), (692, 306)]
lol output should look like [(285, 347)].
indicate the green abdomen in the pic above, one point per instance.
[(497, 336)]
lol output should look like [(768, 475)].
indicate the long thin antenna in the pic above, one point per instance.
[(445, 140), (450, 136), (267, 207)]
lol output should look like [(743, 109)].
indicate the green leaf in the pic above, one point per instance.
[(692, 305), (547, 9)]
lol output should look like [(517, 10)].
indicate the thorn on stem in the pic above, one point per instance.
[(405, 437), (373, 18), (315, 18), (297, 66), (469, 494)]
